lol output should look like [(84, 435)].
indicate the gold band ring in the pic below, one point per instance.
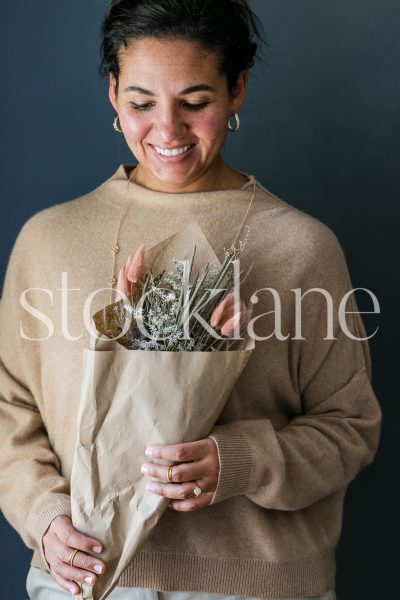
[(169, 473), (71, 558)]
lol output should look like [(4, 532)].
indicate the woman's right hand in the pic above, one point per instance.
[(59, 542)]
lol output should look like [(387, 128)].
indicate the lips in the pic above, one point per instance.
[(172, 155)]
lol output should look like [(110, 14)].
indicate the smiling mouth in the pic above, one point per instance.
[(173, 151)]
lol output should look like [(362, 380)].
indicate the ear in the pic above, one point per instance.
[(239, 92), (112, 91)]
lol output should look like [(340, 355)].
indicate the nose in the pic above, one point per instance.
[(171, 124)]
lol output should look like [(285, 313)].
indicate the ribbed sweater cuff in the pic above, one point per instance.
[(235, 462), (43, 522)]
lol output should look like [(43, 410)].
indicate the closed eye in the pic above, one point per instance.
[(140, 106), (196, 106), (188, 105)]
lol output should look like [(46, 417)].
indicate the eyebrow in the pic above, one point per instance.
[(201, 87)]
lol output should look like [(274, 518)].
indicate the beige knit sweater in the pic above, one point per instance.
[(306, 424)]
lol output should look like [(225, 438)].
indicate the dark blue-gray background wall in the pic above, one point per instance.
[(320, 129)]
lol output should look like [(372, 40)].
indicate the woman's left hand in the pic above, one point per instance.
[(198, 466)]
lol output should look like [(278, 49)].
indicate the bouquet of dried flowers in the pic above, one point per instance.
[(162, 363), (167, 312)]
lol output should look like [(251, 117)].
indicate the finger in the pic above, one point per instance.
[(81, 560), (180, 452), (65, 584), (69, 536), (74, 573), (183, 472), (192, 504), (172, 490)]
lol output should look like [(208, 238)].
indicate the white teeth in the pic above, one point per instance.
[(174, 152)]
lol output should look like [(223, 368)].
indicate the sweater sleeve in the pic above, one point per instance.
[(335, 433), (32, 490)]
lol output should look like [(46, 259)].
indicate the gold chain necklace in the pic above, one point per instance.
[(116, 246)]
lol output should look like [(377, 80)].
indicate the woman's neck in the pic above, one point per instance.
[(222, 177)]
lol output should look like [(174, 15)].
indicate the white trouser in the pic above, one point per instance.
[(41, 585)]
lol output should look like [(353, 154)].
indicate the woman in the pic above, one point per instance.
[(275, 468)]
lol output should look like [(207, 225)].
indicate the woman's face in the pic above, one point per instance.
[(172, 96)]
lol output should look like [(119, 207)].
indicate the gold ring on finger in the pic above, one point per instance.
[(71, 558), (169, 474)]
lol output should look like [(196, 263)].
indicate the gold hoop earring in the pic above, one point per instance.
[(115, 125), (237, 125)]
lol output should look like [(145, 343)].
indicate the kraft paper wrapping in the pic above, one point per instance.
[(131, 399)]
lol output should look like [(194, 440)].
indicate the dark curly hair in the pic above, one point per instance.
[(228, 27)]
